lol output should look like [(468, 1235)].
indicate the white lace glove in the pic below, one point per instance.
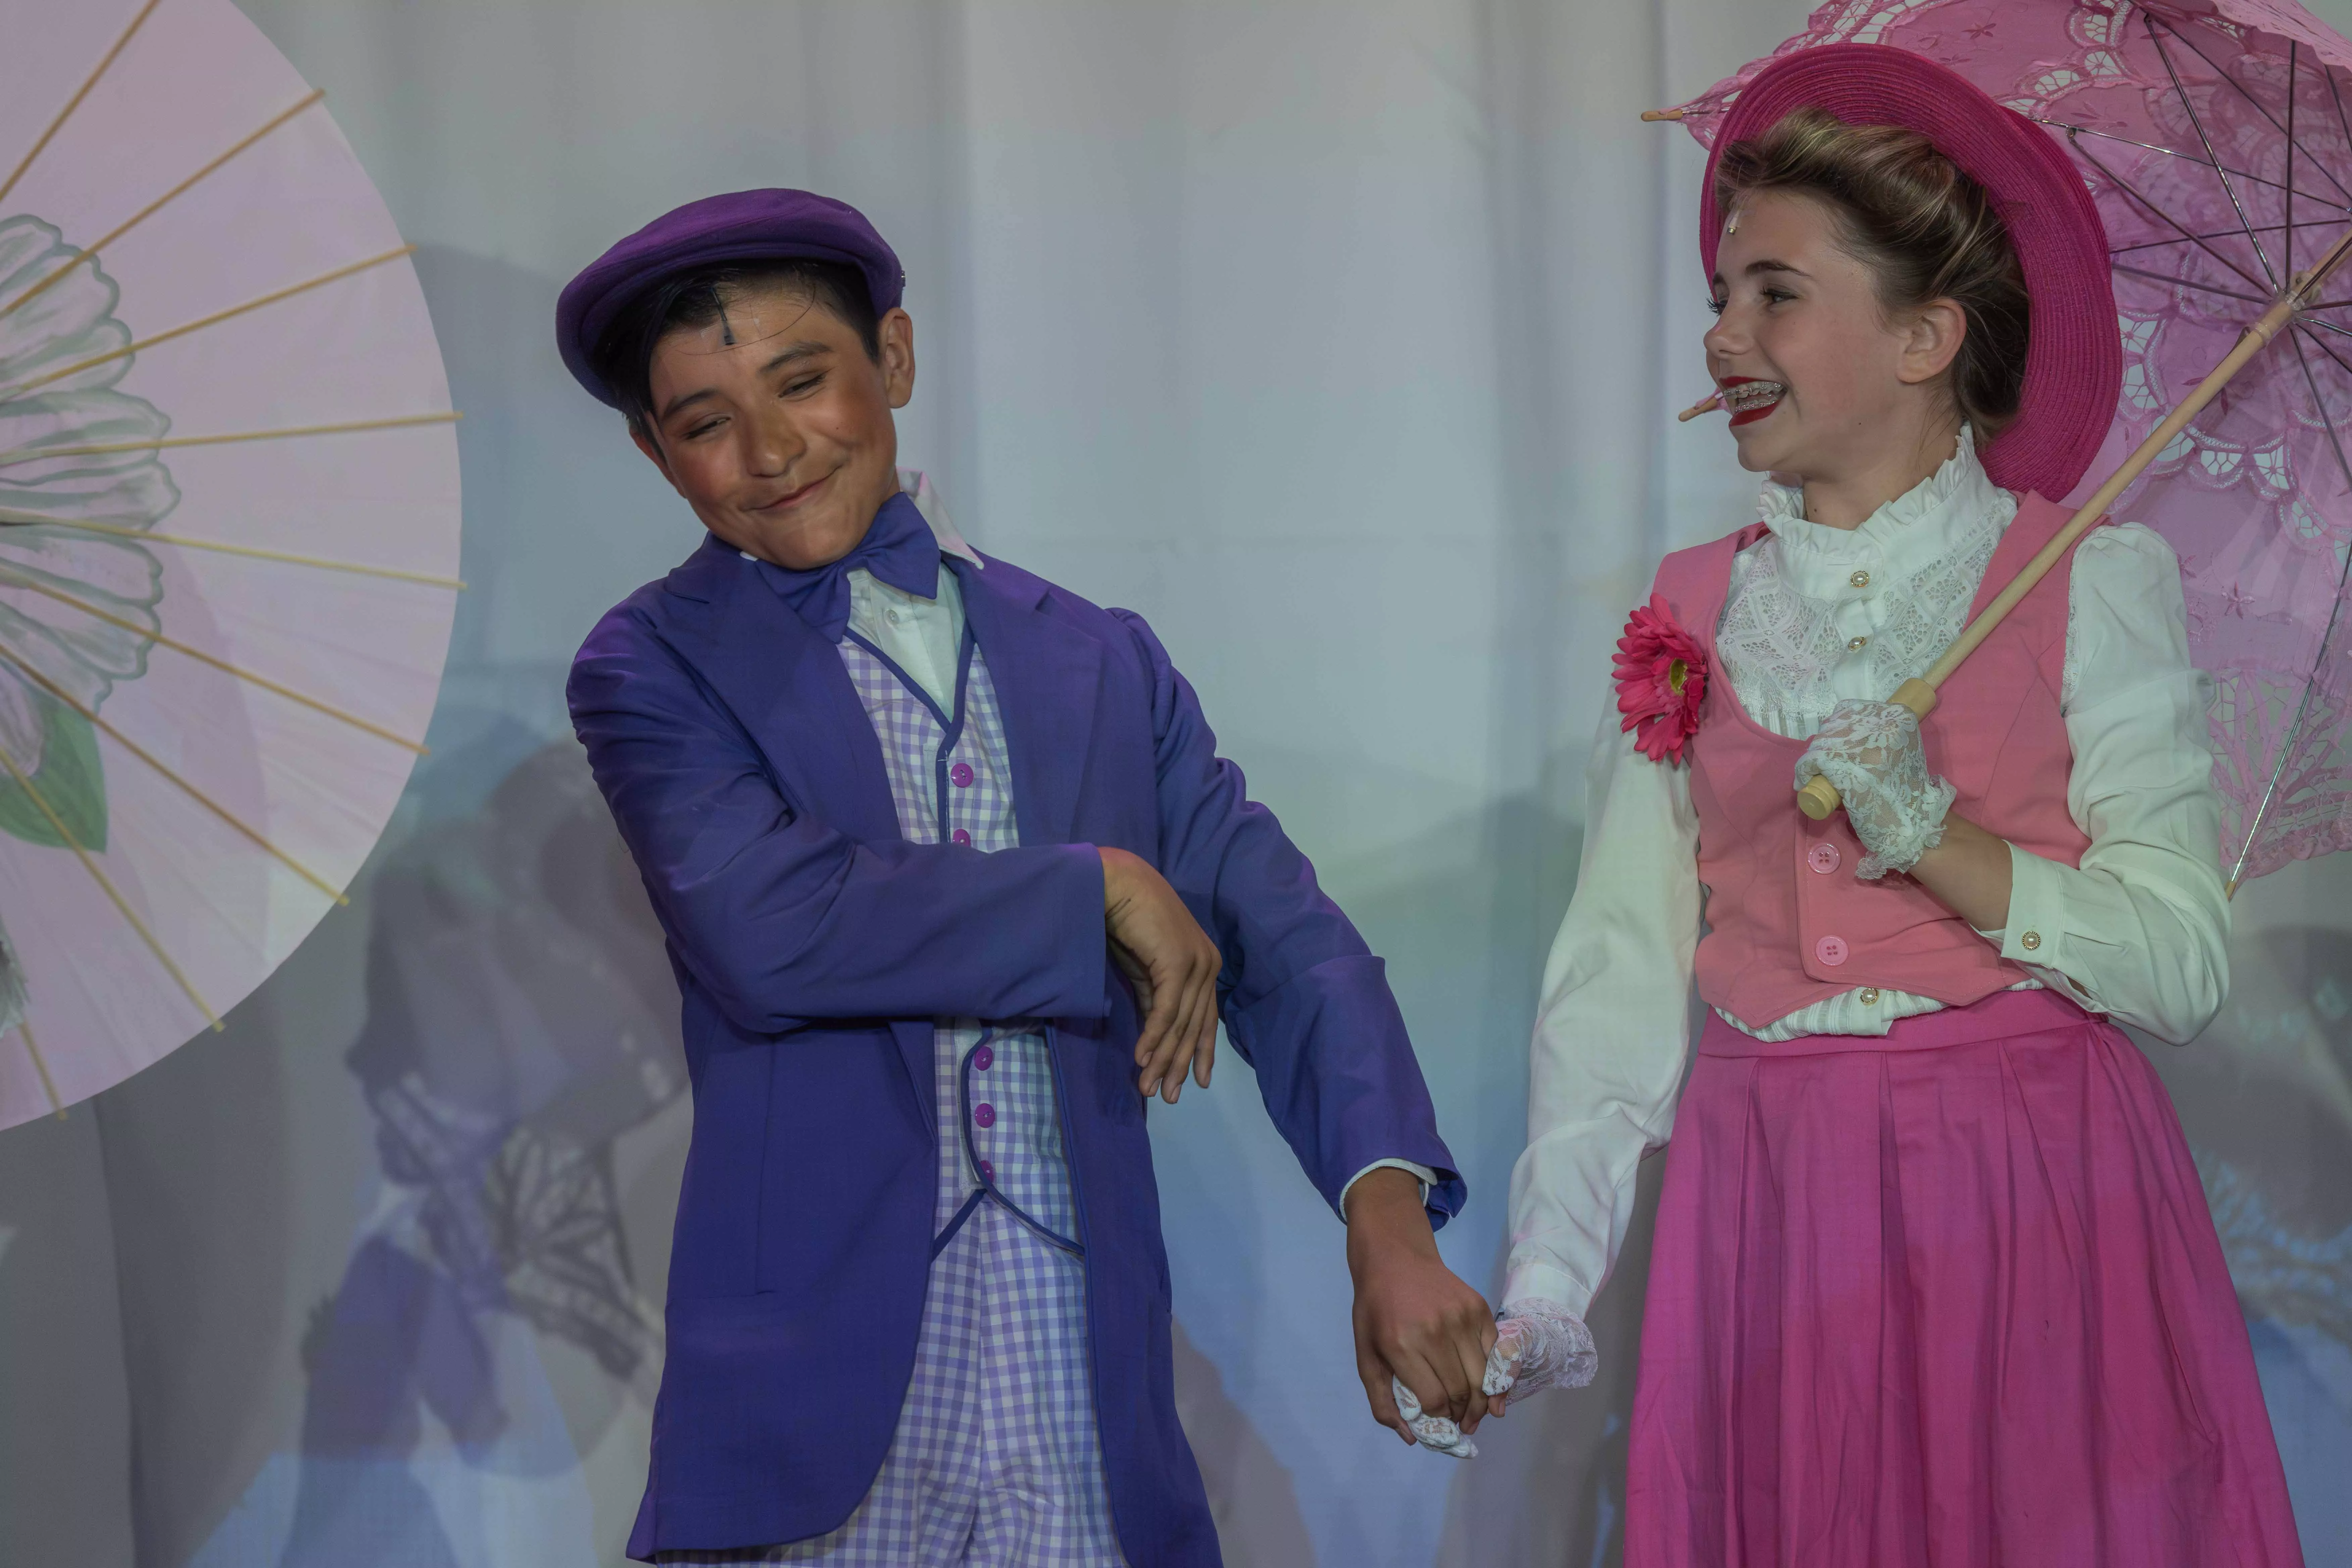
[(1435, 1433), (1539, 1345), (1871, 751)]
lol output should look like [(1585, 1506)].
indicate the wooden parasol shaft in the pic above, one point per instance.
[(1819, 797)]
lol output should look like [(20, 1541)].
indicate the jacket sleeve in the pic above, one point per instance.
[(784, 919), (1304, 1000)]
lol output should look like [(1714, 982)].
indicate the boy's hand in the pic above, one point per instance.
[(1415, 1320), (1158, 945)]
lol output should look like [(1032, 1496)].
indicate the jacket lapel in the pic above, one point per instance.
[(1046, 674), (785, 684), (787, 687)]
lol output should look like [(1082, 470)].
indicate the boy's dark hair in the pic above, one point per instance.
[(624, 356)]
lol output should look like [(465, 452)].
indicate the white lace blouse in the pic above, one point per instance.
[(1816, 614)]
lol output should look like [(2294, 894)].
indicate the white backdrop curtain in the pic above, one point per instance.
[(1341, 338)]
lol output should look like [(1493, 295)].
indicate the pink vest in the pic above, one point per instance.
[(1790, 923)]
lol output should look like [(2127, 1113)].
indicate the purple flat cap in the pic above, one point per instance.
[(744, 225)]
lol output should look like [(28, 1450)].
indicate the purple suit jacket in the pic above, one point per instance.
[(815, 946)]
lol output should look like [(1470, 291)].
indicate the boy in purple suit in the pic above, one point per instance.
[(953, 880)]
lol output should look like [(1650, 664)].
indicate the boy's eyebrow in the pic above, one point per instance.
[(685, 400), (797, 352)]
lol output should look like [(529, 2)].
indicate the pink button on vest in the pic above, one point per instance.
[(1790, 923)]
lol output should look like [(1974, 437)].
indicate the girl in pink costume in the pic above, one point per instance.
[(1934, 1280)]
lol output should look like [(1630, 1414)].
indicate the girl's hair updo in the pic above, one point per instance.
[(1925, 228)]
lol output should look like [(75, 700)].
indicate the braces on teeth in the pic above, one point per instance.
[(1752, 395)]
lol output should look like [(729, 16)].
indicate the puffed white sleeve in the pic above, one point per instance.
[(2140, 930), (1611, 1034)]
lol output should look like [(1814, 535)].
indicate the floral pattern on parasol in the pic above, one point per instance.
[(57, 662)]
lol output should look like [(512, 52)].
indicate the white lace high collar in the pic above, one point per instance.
[(1906, 536), (1817, 613)]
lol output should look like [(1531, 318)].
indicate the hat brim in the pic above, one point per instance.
[(2075, 362)]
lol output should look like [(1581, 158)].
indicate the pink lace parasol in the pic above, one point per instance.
[(2216, 137)]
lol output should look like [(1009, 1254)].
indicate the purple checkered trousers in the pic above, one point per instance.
[(995, 1462)]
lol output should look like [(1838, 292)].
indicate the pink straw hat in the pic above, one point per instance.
[(2074, 365)]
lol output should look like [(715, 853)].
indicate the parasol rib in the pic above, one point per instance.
[(159, 204), (2336, 93), (2074, 130), (2177, 282), (1819, 798), (2340, 363), (57, 826), (75, 101), (41, 1065), (2227, 233), (201, 798), (216, 319), (2259, 107), (120, 531), (313, 703), (2311, 684), (2198, 124), (2134, 192), (286, 432)]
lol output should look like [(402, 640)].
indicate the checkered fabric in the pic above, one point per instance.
[(995, 1462)]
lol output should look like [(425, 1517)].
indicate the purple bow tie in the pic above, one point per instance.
[(898, 549)]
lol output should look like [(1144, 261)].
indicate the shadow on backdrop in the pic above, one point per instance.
[(521, 1020)]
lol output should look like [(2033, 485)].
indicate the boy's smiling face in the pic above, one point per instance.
[(775, 423)]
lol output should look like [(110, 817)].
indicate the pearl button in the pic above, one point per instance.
[(1830, 951), (2030, 941), (1860, 579), (893, 617), (1854, 643), (984, 1114), (1822, 858), (1869, 994)]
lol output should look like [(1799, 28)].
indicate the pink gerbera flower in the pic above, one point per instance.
[(1661, 682)]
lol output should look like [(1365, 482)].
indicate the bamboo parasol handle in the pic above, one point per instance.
[(1819, 798)]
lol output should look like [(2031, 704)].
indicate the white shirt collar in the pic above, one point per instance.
[(1908, 534), (918, 484)]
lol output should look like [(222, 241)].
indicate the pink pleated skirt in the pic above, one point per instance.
[(1949, 1297)]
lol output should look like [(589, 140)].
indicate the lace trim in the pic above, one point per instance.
[(1960, 477), (1786, 653)]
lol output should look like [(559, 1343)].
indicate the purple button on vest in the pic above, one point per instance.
[(961, 836), (984, 1057), (987, 1172), (960, 775), (984, 1114), (1830, 950), (1822, 858)]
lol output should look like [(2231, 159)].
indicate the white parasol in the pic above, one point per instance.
[(228, 529)]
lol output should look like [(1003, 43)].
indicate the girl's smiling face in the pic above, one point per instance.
[(1821, 384)]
